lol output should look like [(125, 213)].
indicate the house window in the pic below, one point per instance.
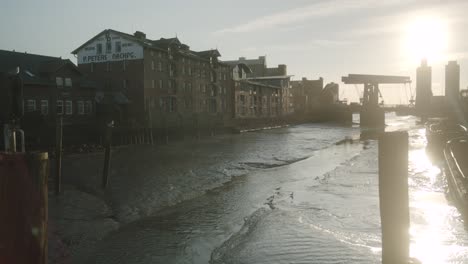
[(68, 82), (44, 107), (80, 107), (160, 84), (31, 106), (99, 48), (59, 107), (118, 46), (59, 82), (108, 47), (88, 107), (68, 107)]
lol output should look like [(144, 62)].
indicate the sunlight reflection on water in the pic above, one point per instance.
[(437, 232)]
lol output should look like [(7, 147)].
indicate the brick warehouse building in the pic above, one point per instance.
[(52, 88), (275, 76), (164, 80)]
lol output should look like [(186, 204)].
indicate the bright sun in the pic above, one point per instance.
[(426, 37)]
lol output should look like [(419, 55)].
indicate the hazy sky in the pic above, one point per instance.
[(314, 38)]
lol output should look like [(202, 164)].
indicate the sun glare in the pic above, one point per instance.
[(426, 37)]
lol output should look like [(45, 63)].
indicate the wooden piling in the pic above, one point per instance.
[(23, 208), (107, 158), (58, 155), (393, 193)]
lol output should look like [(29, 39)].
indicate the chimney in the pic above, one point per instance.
[(282, 69), (139, 34)]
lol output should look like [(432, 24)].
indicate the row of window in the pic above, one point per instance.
[(82, 107), (186, 86), (67, 82), (117, 44)]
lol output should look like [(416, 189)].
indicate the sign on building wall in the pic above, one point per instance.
[(110, 47)]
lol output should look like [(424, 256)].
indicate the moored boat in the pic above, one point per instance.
[(456, 171)]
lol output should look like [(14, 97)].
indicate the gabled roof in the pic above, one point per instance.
[(209, 53), (164, 43), (32, 67), (144, 42)]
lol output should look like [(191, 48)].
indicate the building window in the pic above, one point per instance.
[(31, 105), (152, 65), (108, 47), (88, 107), (118, 46), (99, 48), (80, 105), (44, 107), (152, 53), (160, 84), (159, 54), (68, 82), (108, 66), (189, 87), (59, 107), (190, 71), (59, 82), (152, 84), (92, 67), (160, 65), (183, 70), (68, 107), (124, 65)]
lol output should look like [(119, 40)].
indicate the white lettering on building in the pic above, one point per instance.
[(129, 50)]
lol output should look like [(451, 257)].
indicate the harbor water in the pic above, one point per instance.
[(300, 194)]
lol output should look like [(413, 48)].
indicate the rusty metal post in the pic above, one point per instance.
[(23, 208), (393, 192)]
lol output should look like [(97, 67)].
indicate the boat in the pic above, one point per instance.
[(439, 131), (456, 171)]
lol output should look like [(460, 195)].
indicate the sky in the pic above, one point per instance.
[(314, 39)]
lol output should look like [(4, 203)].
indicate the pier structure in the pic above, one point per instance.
[(371, 114)]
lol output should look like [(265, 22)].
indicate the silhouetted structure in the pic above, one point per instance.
[(452, 82), (423, 88), (306, 95), (371, 114)]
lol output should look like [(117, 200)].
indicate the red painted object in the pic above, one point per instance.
[(23, 208)]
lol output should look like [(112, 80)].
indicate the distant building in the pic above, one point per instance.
[(306, 95), (52, 88), (253, 99), (452, 82), (163, 79), (330, 94), (276, 76), (423, 88)]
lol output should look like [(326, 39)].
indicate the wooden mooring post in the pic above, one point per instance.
[(107, 156), (393, 194), (58, 155), (23, 207)]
